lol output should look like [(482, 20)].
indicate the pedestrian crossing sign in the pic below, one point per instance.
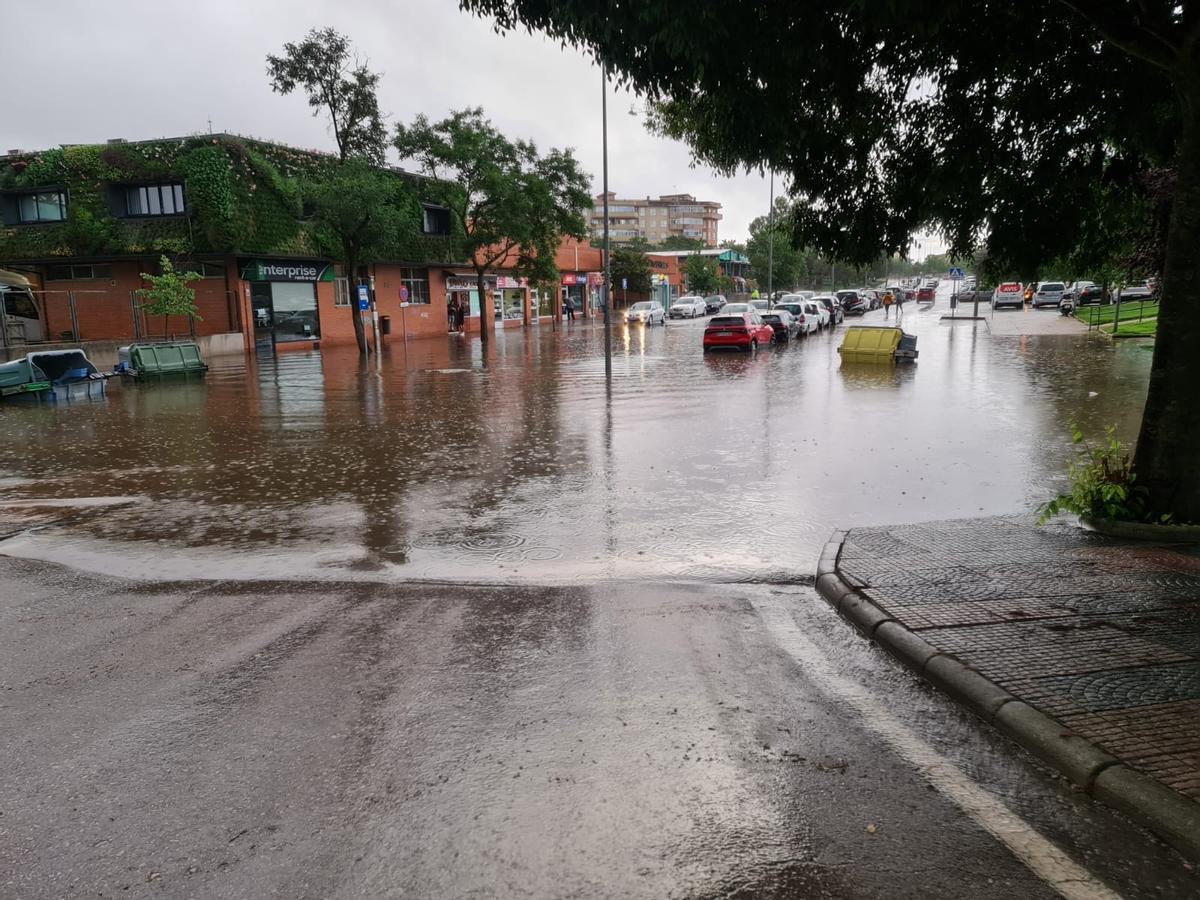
[(956, 272)]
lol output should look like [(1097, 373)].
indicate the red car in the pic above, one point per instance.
[(925, 295), (740, 331)]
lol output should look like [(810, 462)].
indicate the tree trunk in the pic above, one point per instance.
[(360, 332), (486, 314), (1167, 460)]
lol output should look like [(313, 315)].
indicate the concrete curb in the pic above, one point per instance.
[(1169, 814)]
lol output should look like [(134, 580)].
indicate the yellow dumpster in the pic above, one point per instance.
[(870, 344)]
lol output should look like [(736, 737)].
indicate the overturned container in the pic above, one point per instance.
[(877, 344), (71, 374), (22, 377), (156, 360)]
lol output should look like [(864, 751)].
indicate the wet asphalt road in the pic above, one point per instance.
[(473, 627)]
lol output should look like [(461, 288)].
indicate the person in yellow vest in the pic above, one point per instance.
[(754, 294)]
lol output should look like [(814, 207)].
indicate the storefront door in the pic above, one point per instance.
[(264, 315)]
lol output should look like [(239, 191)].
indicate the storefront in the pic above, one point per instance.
[(283, 298), (574, 288), (509, 295)]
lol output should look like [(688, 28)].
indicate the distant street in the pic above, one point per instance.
[(477, 625)]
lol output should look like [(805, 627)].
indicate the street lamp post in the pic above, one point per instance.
[(607, 255), (771, 243)]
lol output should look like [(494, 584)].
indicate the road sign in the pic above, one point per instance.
[(364, 297), (363, 304), (624, 284), (956, 272), (403, 294)]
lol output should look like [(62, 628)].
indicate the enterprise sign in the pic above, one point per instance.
[(287, 270)]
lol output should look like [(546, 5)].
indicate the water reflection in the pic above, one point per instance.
[(522, 463)]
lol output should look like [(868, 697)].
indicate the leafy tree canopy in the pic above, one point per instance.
[(511, 200), (630, 265), (702, 274), (337, 83)]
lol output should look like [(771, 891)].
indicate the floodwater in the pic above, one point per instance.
[(524, 465)]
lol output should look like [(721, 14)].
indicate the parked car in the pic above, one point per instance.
[(713, 303), (793, 303), (805, 295), (646, 313), (1138, 290), (760, 305), (687, 307), (734, 308), (1092, 295), (836, 314), (744, 331), (809, 318), (1047, 293), (854, 303), (1009, 293), (926, 294), (1071, 291), (782, 322), (824, 319)]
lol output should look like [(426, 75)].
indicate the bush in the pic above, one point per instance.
[(1102, 483)]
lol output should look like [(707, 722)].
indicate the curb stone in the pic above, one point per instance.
[(1169, 814)]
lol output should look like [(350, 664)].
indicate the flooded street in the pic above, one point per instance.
[(478, 626), (521, 466)]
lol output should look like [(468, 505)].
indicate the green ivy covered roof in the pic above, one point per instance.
[(244, 196)]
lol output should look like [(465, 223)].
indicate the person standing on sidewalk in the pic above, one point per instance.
[(569, 306)]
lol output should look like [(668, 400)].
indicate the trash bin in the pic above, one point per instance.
[(168, 358), (385, 324)]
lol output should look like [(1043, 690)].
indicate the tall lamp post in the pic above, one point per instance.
[(607, 255), (771, 243)]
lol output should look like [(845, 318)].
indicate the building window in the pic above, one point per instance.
[(436, 221), (95, 272), (341, 291), (211, 270), (417, 282), (42, 206), (154, 200)]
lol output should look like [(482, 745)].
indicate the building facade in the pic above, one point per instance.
[(671, 215)]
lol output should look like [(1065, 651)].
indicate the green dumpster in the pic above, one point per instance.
[(22, 376), (175, 358)]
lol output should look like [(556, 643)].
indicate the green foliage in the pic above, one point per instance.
[(170, 293), (632, 266), (360, 213), (1103, 484), (509, 201), (790, 266), (701, 274), (679, 242), (325, 67)]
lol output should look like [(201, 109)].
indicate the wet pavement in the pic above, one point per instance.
[(474, 625), (1101, 633)]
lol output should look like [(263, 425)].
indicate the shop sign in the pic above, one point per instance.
[(595, 279), (463, 283), (659, 264), (570, 278), (507, 281), (294, 270)]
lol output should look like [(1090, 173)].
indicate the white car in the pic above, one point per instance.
[(688, 307), (1010, 293), (646, 313), (824, 316), (733, 309), (810, 319), (1049, 293)]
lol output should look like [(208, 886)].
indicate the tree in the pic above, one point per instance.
[(788, 260), (630, 266), (359, 212), (679, 242), (511, 201), (983, 120), (170, 293), (338, 84), (735, 246), (701, 274)]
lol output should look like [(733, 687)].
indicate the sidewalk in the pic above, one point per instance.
[(1084, 649)]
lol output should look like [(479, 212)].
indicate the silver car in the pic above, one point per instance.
[(1049, 293), (646, 313)]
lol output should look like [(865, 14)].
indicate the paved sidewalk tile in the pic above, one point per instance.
[(1100, 633)]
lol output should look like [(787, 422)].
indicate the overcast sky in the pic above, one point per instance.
[(152, 68)]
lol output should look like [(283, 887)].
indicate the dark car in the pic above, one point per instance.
[(782, 322), (1093, 295), (714, 302), (853, 303)]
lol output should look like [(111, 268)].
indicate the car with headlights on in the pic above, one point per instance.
[(646, 313)]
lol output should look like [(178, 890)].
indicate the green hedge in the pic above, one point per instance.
[(244, 196)]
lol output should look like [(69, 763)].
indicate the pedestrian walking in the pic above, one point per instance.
[(899, 305), (460, 316), (452, 313), (569, 306), (888, 299)]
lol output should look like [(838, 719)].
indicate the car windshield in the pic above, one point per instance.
[(1052, 286), (726, 320), (713, 297), (638, 307), (794, 308), (737, 307)]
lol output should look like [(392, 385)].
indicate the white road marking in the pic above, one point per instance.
[(1040, 855)]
